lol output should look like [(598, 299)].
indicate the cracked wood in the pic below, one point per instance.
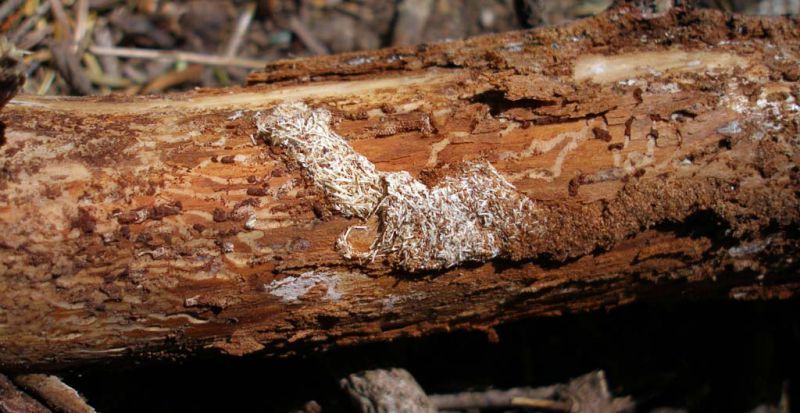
[(660, 169)]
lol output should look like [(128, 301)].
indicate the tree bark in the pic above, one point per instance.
[(624, 157)]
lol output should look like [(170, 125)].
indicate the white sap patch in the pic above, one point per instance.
[(291, 288), (747, 248), (731, 128), (603, 69)]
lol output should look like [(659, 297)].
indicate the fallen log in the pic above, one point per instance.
[(376, 195)]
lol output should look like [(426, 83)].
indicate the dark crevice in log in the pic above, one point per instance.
[(498, 103)]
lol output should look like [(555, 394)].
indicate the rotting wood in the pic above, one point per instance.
[(153, 225)]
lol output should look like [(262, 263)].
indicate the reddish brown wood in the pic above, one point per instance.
[(660, 152)]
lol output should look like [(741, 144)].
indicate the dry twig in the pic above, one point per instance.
[(13, 400), (27, 24), (70, 68), (55, 393), (176, 55), (172, 78), (587, 393), (241, 29), (8, 7), (305, 36)]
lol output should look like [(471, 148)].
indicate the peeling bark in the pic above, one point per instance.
[(659, 154)]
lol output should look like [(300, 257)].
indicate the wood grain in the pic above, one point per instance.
[(660, 151)]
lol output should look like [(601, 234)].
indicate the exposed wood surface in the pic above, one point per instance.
[(657, 154)]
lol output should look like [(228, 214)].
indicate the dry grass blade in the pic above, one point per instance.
[(34, 38), (173, 78), (305, 35), (47, 81), (9, 6), (241, 29), (176, 55), (81, 20), (110, 64), (70, 69), (28, 23), (61, 18)]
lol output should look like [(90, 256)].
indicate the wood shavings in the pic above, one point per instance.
[(348, 178), (471, 216)]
